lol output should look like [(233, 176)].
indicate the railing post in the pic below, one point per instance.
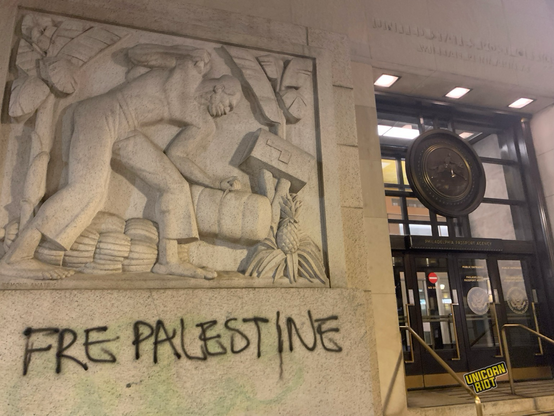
[(508, 360), (478, 404)]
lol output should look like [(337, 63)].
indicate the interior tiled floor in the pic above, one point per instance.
[(457, 395)]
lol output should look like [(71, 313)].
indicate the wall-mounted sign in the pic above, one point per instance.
[(445, 173), (433, 278), (453, 243)]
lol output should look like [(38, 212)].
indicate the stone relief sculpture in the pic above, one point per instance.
[(277, 85), (166, 86)]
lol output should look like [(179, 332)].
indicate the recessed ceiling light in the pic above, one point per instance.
[(458, 92), (520, 103), (386, 80), (466, 134)]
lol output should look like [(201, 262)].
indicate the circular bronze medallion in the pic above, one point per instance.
[(445, 173)]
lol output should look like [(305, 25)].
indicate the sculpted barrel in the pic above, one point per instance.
[(233, 216)]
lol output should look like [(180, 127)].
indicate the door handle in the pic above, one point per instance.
[(408, 323), (537, 328), (493, 312), (457, 357)]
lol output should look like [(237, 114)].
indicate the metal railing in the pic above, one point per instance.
[(414, 335), (507, 349)]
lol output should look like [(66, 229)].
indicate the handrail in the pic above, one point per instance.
[(478, 404), (507, 350)]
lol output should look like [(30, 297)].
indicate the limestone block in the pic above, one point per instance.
[(339, 45), (546, 168), (395, 47), (287, 32), (347, 16), (370, 162), (379, 255), (542, 127), (389, 353), (264, 9), (356, 248), (349, 173), (345, 119), (373, 357), (477, 14), (274, 375), (364, 93), (281, 158)]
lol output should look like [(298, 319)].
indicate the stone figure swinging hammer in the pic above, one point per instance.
[(108, 126)]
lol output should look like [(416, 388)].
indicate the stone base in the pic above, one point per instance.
[(223, 362), (131, 281)]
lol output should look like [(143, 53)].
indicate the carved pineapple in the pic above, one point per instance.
[(290, 253), (288, 234)]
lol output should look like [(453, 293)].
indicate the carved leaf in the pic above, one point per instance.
[(27, 58), (68, 30), (297, 72), (59, 74), (28, 93), (38, 30), (159, 56), (87, 45), (258, 82), (273, 68), (293, 105), (31, 22)]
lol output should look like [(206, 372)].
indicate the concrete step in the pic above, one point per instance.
[(545, 403), (517, 407), (532, 398)]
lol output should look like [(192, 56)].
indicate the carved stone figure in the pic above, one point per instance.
[(109, 125), (50, 55)]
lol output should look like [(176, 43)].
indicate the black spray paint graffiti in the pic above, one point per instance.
[(215, 339)]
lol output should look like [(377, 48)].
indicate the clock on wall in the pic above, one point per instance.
[(445, 173)]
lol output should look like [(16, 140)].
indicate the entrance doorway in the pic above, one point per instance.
[(458, 303)]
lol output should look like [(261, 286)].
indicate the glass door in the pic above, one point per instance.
[(427, 300), (519, 304), (481, 314), (458, 303), (439, 312)]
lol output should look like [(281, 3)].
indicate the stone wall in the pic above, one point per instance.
[(302, 324), (497, 47)]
